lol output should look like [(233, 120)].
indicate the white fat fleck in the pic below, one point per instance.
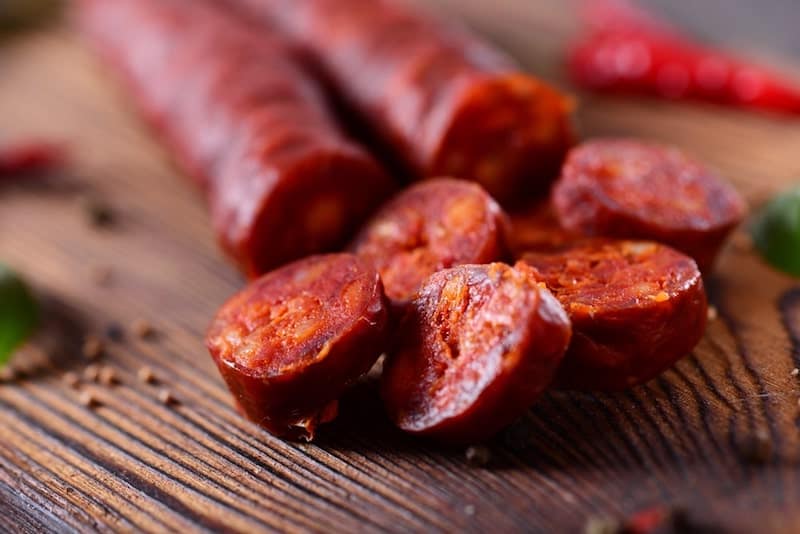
[(387, 229)]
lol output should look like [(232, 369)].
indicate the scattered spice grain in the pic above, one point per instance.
[(142, 328), (108, 377), (115, 333), (166, 397), (88, 399), (145, 374), (91, 372), (98, 213), (92, 347), (478, 455), (71, 380)]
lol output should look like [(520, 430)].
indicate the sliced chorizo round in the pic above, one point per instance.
[(536, 227), (290, 343), (432, 226), (634, 190), (477, 346), (636, 308)]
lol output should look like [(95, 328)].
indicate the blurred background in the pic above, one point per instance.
[(758, 24)]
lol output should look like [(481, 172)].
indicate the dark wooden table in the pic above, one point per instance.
[(717, 435)]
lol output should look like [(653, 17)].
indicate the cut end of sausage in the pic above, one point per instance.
[(317, 205), (293, 340), (432, 226), (477, 347), (630, 189), (636, 308), (508, 133), (536, 228)]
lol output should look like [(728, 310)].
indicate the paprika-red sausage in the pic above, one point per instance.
[(447, 102), (536, 228), (630, 189), (477, 347), (432, 226), (291, 342), (248, 124), (636, 308)]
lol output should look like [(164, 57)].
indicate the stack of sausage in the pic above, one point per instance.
[(598, 287)]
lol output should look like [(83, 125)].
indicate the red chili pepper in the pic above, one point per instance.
[(29, 157), (630, 52), (647, 521)]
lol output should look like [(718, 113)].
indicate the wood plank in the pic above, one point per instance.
[(133, 463)]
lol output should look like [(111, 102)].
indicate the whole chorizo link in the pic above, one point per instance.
[(636, 308), (282, 180), (448, 103), (291, 342)]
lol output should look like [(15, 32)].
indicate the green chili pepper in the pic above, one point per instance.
[(18, 313), (776, 232)]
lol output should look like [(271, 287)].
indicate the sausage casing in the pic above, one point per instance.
[(634, 190), (291, 342), (239, 114), (636, 308), (446, 101)]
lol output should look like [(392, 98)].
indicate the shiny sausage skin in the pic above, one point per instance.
[(251, 127), (432, 226), (291, 342), (478, 346), (636, 308), (536, 228), (634, 190), (447, 102)]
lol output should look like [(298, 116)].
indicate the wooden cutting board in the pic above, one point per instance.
[(717, 435)]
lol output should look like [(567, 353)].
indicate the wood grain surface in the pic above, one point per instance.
[(717, 435)]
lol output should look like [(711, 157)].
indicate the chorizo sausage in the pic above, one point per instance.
[(477, 347), (291, 342), (636, 308), (432, 226), (536, 228), (448, 103), (633, 190), (281, 178)]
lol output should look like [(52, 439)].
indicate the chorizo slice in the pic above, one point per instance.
[(636, 308), (291, 342), (447, 102), (432, 226), (246, 121), (633, 190), (536, 228), (477, 347)]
